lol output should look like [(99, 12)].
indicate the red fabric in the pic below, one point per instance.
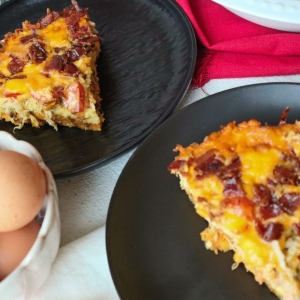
[(238, 48)]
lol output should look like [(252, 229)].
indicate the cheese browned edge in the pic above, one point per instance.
[(28, 94), (244, 180)]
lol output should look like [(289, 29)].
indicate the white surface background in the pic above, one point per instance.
[(80, 271)]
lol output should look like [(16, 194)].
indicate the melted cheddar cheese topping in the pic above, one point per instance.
[(245, 181), (55, 35), (48, 73)]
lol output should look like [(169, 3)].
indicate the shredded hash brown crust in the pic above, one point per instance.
[(48, 72), (245, 181)]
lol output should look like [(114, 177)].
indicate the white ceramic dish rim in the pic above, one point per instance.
[(49, 209), (284, 11)]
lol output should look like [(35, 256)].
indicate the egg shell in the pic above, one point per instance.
[(14, 246), (22, 190)]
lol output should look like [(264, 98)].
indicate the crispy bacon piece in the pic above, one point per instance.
[(176, 164), (48, 19), (69, 10), (73, 19), (270, 211), (262, 195), (284, 175), (289, 202), (75, 53), (71, 69), (56, 63), (284, 116), (75, 4), (233, 187), (28, 38), (21, 76), (37, 53), (230, 175), (81, 32), (15, 65), (232, 170), (60, 63), (202, 161), (207, 163), (270, 232), (88, 40)]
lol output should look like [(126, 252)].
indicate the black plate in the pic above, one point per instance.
[(145, 67), (152, 232)]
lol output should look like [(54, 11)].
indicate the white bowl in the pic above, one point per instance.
[(277, 14), (33, 271)]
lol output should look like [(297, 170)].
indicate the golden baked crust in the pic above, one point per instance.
[(245, 181), (48, 72)]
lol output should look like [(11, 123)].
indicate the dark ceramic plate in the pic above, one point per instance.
[(145, 67), (152, 232)]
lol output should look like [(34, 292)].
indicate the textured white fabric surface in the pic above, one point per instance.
[(80, 271)]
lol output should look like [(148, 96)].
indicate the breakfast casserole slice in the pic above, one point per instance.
[(245, 181), (48, 72)]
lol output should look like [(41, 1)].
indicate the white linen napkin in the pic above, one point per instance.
[(80, 271)]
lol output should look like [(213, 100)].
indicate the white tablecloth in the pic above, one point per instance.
[(80, 271)]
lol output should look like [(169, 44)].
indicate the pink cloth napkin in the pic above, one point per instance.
[(234, 47)]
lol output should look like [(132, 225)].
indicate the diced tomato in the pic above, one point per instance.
[(11, 95), (75, 97)]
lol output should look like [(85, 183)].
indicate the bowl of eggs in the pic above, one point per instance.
[(276, 14), (29, 219)]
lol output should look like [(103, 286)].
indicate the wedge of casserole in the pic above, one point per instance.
[(245, 181), (48, 72)]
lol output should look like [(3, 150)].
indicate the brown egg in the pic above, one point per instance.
[(15, 245), (22, 190)]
